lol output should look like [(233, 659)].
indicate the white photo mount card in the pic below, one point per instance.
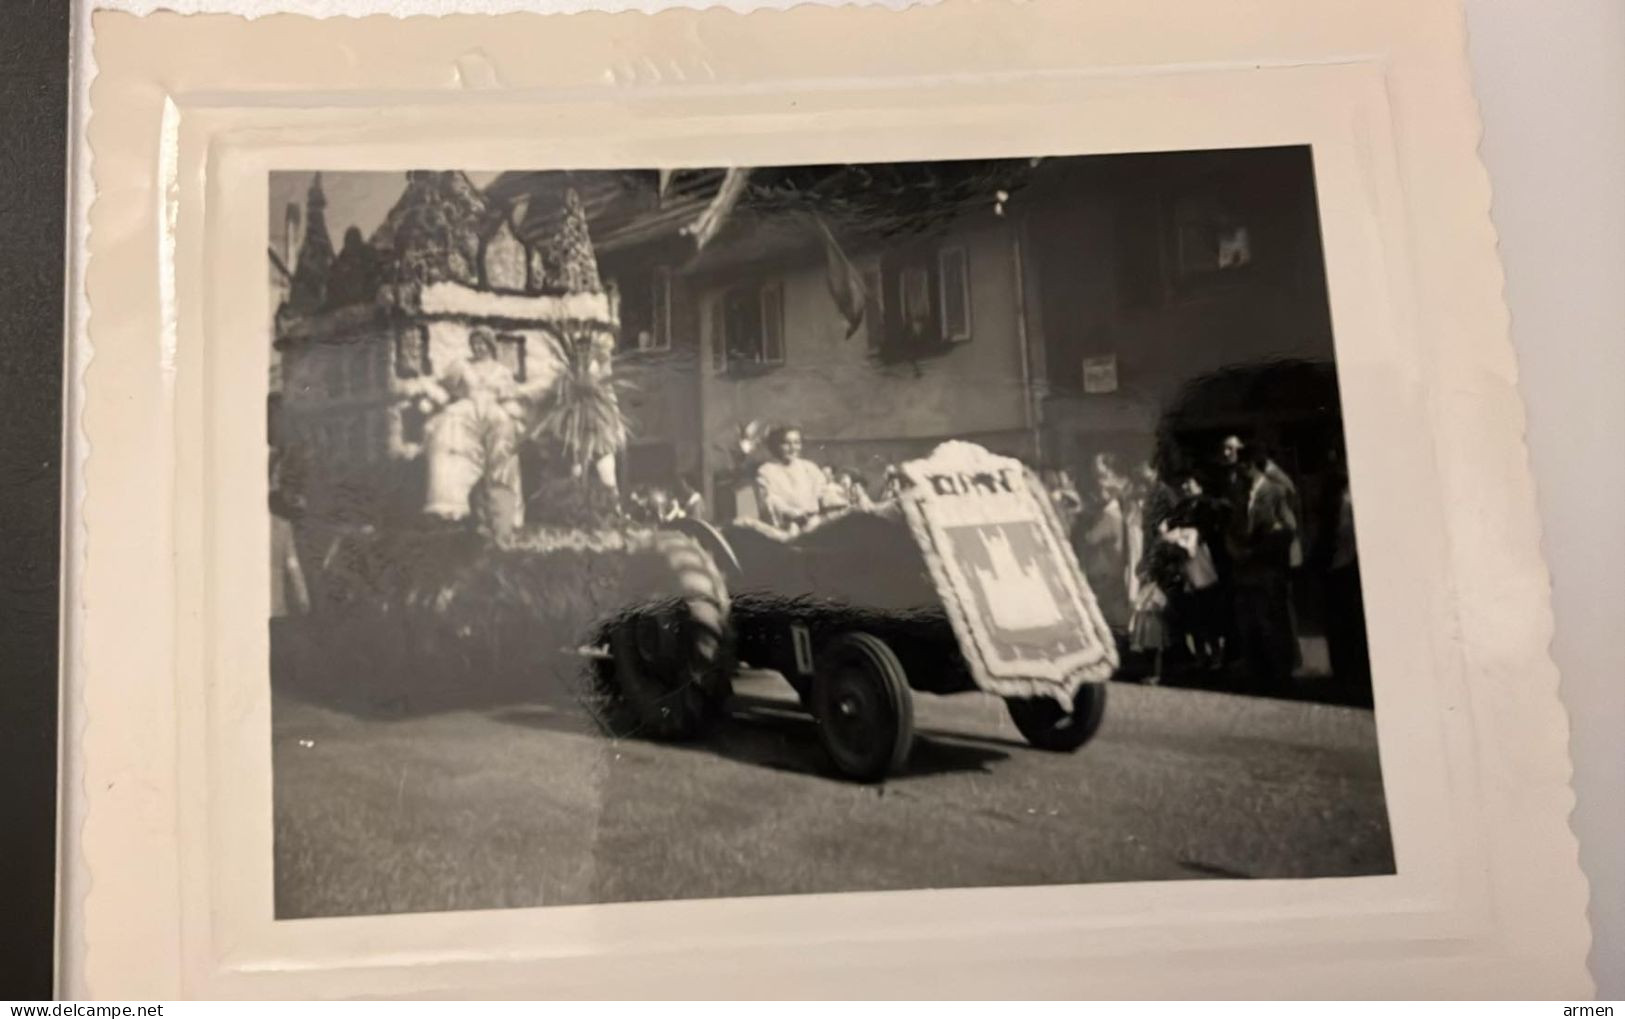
[(595, 654)]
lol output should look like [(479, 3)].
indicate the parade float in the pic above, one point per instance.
[(456, 387), (450, 417)]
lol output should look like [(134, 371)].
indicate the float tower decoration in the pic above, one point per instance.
[(367, 330)]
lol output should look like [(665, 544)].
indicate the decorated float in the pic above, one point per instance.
[(449, 420), (964, 582), (453, 386)]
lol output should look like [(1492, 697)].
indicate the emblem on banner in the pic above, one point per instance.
[(1025, 618)]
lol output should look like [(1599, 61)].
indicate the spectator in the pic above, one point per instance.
[(855, 489), (1149, 502), (1338, 558), (1233, 453), (1197, 605), (1064, 496), (289, 594), (1228, 476), (1101, 539), (1273, 471), (835, 495), (891, 485), (1263, 532), (1153, 498), (690, 500), (662, 507)]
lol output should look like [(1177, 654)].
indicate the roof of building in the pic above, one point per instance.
[(439, 229), (863, 204)]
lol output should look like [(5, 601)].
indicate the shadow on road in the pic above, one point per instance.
[(369, 666), (1312, 689), (774, 735)]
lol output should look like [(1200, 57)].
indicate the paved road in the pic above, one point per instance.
[(525, 805)]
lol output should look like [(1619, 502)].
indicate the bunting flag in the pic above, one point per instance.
[(716, 214), (844, 279)]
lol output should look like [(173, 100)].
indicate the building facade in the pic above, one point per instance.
[(940, 352), (1048, 309)]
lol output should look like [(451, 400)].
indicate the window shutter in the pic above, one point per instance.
[(772, 349), (874, 307), (954, 283), (914, 304), (719, 333), (511, 352), (660, 299)]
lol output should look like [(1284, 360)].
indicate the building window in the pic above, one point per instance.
[(914, 303), (772, 302), (412, 353), (511, 352), (747, 328), (932, 312), (643, 307), (659, 337), (1211, 238)]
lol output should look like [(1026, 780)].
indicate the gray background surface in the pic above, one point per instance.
[(1550, 78)]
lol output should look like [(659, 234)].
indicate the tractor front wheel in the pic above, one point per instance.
[(865, 712)]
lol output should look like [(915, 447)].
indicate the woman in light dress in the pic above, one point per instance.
[(1107, 540), (471, 444)]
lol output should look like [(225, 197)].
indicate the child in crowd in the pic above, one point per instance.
[(1196, 602)]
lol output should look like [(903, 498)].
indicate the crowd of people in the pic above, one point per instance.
[(1196, 568), (654, 504)]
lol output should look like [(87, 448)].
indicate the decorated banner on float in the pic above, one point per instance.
[(1024, 615)]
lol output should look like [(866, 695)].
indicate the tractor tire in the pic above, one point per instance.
[(865, 713), (665, 660), (1046, 726)]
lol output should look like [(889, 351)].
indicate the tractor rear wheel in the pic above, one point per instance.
[(666, 665)]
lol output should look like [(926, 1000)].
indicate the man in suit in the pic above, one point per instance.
[(1263, 537)]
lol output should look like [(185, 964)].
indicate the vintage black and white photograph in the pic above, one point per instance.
[(733, 531)]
